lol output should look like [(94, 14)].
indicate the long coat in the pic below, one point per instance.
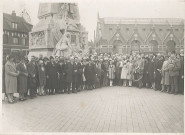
[(10, 77), (165, 74), (52, 73), (69, 72), (42, 75), (32, 71), (130, 71), (124, 72), (148, 72), (176, 67), (112, 71), (62, 74), (118, 70), (22, 78), (89, 73), (157, 66), (181, 75)]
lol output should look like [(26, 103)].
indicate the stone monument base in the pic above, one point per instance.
[(46, 52)]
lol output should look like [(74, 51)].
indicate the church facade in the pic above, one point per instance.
[(144, 35)]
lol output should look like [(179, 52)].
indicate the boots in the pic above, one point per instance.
[(163, 88), (172, 89)]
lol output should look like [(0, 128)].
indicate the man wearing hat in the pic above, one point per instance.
[(158, 62), (52, 75), (181, 75), (32, 77), (89, 73), (174, 73), (69, 74)]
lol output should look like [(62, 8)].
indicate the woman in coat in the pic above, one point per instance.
[(130, 72), (11, 74), (22, 79), (42, 77), (111, 72), (124, 73), (165, 76)]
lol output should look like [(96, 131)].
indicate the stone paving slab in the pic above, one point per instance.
[(111, 109)]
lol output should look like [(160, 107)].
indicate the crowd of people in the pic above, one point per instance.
[(54, 75)]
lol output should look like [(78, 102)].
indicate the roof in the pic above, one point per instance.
[(22, 26), (116, 20), (107, 27)]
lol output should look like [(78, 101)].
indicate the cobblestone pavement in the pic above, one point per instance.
[(111, 109)]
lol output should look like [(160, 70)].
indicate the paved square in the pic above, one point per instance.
[(111, 109)]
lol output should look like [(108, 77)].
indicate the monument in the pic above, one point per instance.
[(58, 32)]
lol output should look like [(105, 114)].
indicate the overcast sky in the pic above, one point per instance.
[(107, 8)]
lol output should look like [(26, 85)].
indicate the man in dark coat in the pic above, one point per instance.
[(157, 71), (80, 71), (89, 74), (52, 75), (58, 78), (75, 84), (69, 74), (148, 72), (174, 73), (32, 77), (145, 72), (61, 76), (181, 72)]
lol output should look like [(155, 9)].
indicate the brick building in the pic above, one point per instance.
[(15, 33), (126, 35)]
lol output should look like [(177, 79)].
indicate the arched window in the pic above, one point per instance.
[(153, 44)]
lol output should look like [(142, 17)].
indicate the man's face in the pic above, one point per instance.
[(52, 60), (32, 59), (76, 60)]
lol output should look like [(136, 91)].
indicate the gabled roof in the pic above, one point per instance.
[(132, 37), (149, 37), (22, 26), (119, 38)]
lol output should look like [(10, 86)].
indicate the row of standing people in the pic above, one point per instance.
[(55, 75)]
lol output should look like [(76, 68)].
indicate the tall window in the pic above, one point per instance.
[(15, 40), (14, 25), (73, 38), (24, 41), (5, 38)]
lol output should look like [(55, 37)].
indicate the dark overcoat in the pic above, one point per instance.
[(62, 78), (89, 73), (158, 66), (69, 72), (32, 75), (22, 78), (52, 73)]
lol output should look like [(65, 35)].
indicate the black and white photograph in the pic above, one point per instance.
[(92, 66)]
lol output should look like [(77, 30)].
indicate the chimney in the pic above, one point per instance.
[(13, 13)]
